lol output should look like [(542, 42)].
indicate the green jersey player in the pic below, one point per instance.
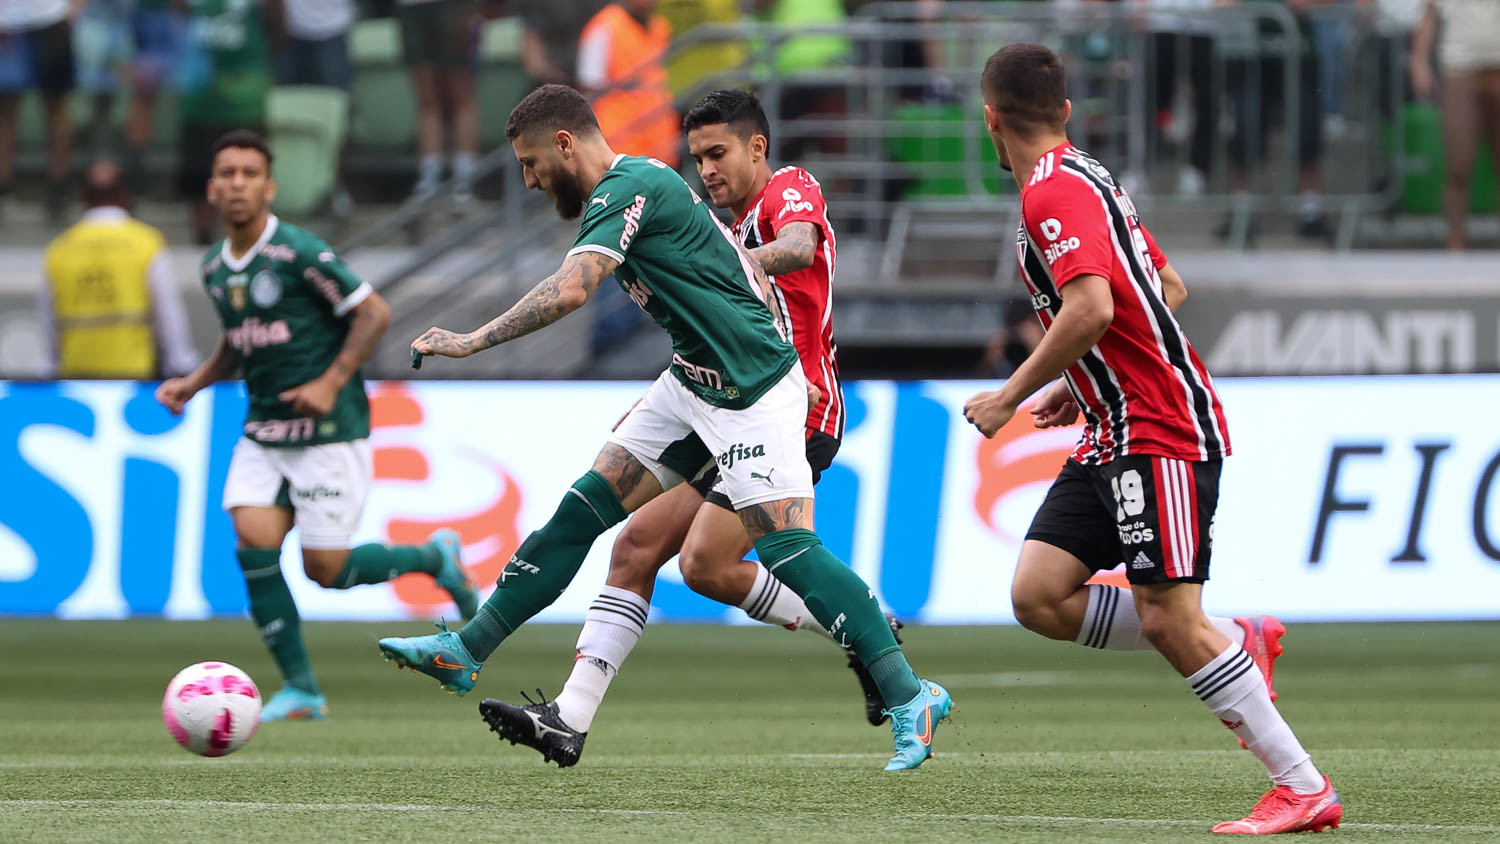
[(300, 324), (734, 396)]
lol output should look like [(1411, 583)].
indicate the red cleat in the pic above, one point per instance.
[(1284, 810), (1263, 642)]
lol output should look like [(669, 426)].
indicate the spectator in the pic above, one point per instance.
[(690, 67), (1257, 88), (36, 51), (440, 40), (549, 38), (158, 28), (620, 67), (108, 303), (316, 48), (226, 75), (1468, 53), (316, 52), (101, 46), (804, 53), (1013, 343)]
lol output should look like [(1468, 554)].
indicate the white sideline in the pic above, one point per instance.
[(431, 807)]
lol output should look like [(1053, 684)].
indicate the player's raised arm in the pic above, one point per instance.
[(562, 293)]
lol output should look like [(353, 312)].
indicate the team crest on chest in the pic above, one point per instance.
[(235, 284), (265, 289)]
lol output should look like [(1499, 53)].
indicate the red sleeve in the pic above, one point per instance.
[(1158, 259), (1067, 222), (794, 196)]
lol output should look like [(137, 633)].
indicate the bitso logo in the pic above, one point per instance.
[(794, 203), (1051, 228)]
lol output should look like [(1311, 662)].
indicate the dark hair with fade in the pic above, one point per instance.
[(739, 109), (552, 108), (1026, 83), (242, 139)]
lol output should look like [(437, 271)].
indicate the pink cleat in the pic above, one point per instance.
[(1263, 642), (1284, 810)]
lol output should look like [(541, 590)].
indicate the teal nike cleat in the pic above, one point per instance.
[(452, 576), (441, 656), (293, 704), (913, 724)]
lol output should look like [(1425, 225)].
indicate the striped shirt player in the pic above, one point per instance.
[(805, 296), (1155, 434)]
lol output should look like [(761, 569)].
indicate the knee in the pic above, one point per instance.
[(323, 567), (1034, 610), (701, 570)]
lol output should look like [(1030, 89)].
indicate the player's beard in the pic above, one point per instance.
[(567, 195)]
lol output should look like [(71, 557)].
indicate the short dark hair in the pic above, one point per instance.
[(242, 139), (552, 108), (739, 109), (1026, 83)]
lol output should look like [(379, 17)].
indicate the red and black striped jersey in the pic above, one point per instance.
[(806, 296), (1142, 388)]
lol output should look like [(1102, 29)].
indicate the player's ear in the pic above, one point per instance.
[(270, 191), (758, 146), (991, 118), (1067, 111), (564, 141)]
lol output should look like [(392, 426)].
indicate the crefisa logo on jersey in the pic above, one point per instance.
[(265, 289), (632, 217)]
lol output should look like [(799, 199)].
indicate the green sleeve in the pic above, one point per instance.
[(331, 277)]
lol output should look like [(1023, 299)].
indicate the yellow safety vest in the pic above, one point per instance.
[(101, 300)]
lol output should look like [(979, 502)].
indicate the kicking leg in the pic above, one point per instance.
[(537, 573), (846, 607)]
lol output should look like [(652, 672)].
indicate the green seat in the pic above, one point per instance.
[(384, 104), (936, 141), (1422, 165), (502, 81), (307, 126)]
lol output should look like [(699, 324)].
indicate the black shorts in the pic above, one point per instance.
[(1155, 514), (440, 33), (41, 59), (821, 449)]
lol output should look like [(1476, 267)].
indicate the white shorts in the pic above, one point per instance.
[(325, 483), (761, 451)]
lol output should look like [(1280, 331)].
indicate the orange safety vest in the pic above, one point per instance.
[(101, 299), (637, 119)]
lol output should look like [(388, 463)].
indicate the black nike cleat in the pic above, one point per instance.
[(874, 704), (536, 725)]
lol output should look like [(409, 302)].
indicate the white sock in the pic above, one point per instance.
[(610, 630), (1112, 623), (429, 170), (771, 602), (463, 165), (1234, 689)]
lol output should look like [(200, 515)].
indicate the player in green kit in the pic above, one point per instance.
[(300, 324), (734, 395)]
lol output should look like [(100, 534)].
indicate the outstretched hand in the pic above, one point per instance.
[(440, 341)]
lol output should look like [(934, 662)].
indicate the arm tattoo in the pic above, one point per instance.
[(550, 301), (788, 513), (620, 468), (794, 248), (767, 290)]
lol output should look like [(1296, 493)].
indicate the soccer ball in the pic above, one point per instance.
[(211, 708)]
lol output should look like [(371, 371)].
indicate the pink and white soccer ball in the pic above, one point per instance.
[(211, 708)]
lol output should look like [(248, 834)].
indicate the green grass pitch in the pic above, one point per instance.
[(739, 734)]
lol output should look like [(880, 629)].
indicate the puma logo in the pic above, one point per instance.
[(766, 477), (602, 200)]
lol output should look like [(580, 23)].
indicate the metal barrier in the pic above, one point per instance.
[(909, 169)]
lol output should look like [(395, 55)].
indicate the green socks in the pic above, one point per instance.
[(275, 615), (843, 604), (376, 563), (545, 564)]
